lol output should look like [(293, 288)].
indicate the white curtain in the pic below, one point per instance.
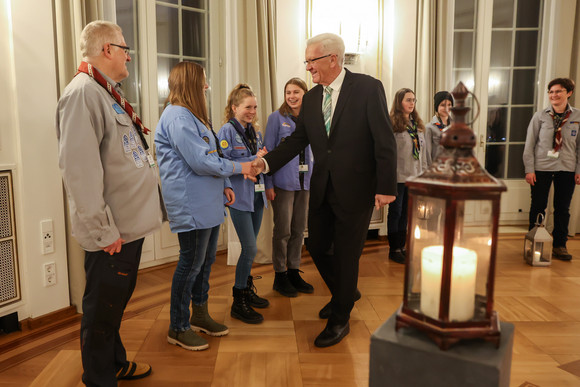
[(251, 31), (426, 70)]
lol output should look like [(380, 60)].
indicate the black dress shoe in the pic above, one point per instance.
[(326, 310), (332, 335)]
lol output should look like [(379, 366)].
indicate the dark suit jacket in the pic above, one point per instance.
[(359, 156)]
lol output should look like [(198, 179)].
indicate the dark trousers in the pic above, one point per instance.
[(563, 190), (336, 237), (397, 218), (111, 280)]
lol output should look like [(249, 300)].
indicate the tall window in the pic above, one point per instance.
[(181, 35), (512, 88), (512, 74), (127, 19)]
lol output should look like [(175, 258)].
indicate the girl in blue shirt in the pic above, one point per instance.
[(241, 141), (195, 186), (288, 191)]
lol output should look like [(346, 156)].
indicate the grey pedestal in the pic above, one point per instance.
[(409, 358)]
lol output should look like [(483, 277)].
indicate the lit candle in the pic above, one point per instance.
[(537, 256), (463, 270)]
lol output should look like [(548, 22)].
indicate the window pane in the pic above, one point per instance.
[(168, 1), (194, 3), (501, 43), (462, 49), (503, 11), (465, 76), (130, 86), (498, 87), (464, 11), (496, 124), (520, 120), (516, 163), (528, 13), (164, 66), (124, 13), (167, 30), (524, 86), (526, 48), (193, 33), (494, 160)]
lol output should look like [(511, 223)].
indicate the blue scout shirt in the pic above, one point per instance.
[(288, 177), (234, 148), (193, 176)]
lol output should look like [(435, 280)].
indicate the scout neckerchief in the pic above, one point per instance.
[(412, 130), (248, 136), (440, 125), (97, 76), (559, 120)]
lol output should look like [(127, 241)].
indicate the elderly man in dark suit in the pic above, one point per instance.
[(346, 122)]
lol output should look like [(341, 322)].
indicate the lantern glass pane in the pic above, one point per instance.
[(478, 240), (426, 227)]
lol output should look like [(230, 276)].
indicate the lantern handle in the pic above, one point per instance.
[(540, 219), (478, 108)]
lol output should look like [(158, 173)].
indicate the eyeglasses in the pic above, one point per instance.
[(557, 91), (125, 48), (310, 61)]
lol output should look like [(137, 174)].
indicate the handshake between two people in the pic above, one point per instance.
[(251, 169)]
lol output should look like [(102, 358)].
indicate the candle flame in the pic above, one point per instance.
[(489, 242), (417, 233)]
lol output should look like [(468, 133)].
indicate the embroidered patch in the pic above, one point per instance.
[(286, 124), (142, 153), (126, 146), (206, 139), (573, 132), (137, 159), (224, 144), (132, 141), (118, 108), (240, 147)]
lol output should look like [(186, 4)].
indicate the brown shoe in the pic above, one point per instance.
[(133, 371), (561, 253)]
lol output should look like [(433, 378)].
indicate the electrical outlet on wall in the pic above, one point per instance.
[(49, 274), (46, 236)]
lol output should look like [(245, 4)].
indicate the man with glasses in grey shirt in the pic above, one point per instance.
[(113, 193)]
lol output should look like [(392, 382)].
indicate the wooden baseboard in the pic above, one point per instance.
[(48, 319)]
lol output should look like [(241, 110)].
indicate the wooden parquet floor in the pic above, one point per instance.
[(542, 302)]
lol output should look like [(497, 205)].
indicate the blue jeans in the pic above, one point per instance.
[(197, 249), (247, 225)]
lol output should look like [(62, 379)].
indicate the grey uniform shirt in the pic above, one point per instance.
[(407, 166), (539, 141), (112, 190)]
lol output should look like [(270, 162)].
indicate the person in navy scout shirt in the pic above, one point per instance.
[(288, 191), (551, 155), (195, 186), (442, 102), (241, 141)]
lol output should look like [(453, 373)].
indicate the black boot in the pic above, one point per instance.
[(283, 285), (241, 308), (255, 300), (298, 283)]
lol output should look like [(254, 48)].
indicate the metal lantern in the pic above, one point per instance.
[(538, 245), (450, 268)]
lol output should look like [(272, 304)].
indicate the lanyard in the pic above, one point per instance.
[(250, 141), (88, 69)]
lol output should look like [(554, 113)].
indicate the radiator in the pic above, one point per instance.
[(9, 275)]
